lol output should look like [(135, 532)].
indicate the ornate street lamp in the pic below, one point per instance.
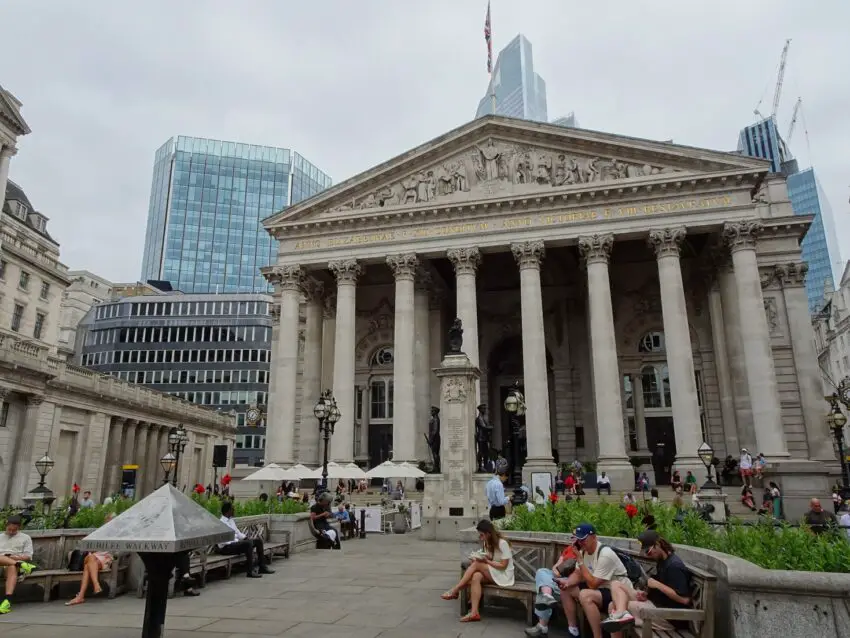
[(327, 412), (836, 422), (177, 440), (515, 407), (41, 493), (168, 462), (706, 455)]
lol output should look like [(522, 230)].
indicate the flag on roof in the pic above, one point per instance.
[(489, 41)]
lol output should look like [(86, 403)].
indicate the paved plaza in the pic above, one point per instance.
[(387, 586)]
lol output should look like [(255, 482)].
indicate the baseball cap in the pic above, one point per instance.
[(647, 539), (583, 531)]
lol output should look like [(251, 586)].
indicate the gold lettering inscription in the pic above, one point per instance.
[(529, 221)]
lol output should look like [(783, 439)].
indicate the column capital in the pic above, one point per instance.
[(329, 306), (596, 248), (346, 271), (464, 260), (791, 274), (742, 235), (288, 277), (34, 400), (7, 151), (403, 266), (423, 280), (667, 241), (4, 393), (529, 254), (313, 289)]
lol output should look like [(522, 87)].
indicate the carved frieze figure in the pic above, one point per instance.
[(522, 174), (422, 192), (559, 177), (459, 180), (483, 435), (434, 437), (543, 169), (410, 186), (369, 201), (491, 156), (455, 340)]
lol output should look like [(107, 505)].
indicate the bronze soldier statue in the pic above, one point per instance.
[(434, 437), (483, 434)]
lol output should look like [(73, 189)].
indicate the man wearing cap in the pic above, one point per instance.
[(495, 491), (670, 588), (745, 467)]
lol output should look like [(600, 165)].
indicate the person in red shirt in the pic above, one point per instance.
[(553, 497), (570, 484)]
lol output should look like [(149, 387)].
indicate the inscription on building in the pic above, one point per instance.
[(601, 213)]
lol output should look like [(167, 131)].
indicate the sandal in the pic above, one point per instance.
[(449, 595), (470, 617), (76, 600)]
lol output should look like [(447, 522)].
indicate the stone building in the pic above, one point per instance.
[(86, 290), (832, 334), (646, 296)]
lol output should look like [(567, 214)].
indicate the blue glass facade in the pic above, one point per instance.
[(819, 245), (520, 92), (763, 140), (208, 199)]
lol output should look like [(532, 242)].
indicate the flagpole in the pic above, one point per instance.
[(488, 38)]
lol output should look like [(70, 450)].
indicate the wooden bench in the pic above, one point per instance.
[(204, 560), (115, 577), (530, 555), (322, 541)]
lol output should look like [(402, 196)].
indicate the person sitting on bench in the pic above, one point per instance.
[(241, 544), (320, 514), (15, 556), (344, 519)]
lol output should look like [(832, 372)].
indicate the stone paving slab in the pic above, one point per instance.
[(380, 587)]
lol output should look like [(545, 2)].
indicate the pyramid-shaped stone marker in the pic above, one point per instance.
[(165, 521)]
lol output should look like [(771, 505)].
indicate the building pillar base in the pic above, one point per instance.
[(620, 471), (800, 481), (537, 466)]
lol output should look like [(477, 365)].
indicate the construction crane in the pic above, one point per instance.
[(777, 93), (794, 115)]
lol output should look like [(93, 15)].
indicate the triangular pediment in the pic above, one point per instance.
[(496, 157), (10, 113)]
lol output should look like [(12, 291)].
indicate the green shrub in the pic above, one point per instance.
[(252, 507), (765, 544)]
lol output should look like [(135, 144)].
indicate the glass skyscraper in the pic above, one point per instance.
[(208, 199), (820, 245), (520, 92)]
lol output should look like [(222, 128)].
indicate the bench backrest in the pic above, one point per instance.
[(529, 557), (251, 529)]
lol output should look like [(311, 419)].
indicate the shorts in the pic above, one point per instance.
[(606, 597), (746, 472)]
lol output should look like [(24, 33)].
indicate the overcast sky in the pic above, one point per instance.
[(350, 84)]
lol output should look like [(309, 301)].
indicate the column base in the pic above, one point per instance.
[(536, 466), (800, 481), (691, 464), (619, 470)]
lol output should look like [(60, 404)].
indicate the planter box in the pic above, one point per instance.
[(300, 538)]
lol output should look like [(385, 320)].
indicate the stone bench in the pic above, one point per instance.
[(115, 577), (533, 554)]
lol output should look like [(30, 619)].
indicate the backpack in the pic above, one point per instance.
[(634, 571)]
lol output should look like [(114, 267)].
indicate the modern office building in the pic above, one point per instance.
[(211, 350), (820, 245), (519, 91), (569, 120), (207, 200)]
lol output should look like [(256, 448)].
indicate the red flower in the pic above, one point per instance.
[(199, 489), (631, 510), (75, 488), (225, 480), (553, 498)]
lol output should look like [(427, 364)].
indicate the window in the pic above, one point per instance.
[(652, 342), (633, 437), (39, 325), (24, 281), (579, 436), (17, 314), (4, 414), (3, 264), (45, 289), (381, 406), (383, 357)]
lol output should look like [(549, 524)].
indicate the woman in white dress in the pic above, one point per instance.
[(493, 565)]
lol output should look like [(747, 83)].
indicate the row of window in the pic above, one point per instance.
[(24, 280), (154, 377), (186, 309), (223, 398), (176, 356), (655, 384), (178, 334), (250, 442), (17, 319)]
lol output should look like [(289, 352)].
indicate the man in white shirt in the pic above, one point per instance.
[(603, 483), (241, 544), (15, 554), (745, 467)]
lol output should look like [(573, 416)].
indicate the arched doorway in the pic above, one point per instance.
[(380, 405), (504, 367)]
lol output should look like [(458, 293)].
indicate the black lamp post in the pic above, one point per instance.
[(168, 462), (327, 412), (515, 407), (41, 493), (177, 440), (706, 455), (836, 422)]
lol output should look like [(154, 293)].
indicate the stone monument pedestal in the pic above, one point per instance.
[(716, 498), (453, 499)]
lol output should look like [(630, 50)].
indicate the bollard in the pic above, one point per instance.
[(363, 523)]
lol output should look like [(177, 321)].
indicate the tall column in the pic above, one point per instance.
[(435, 356), (422, 373), (6, 153), (792, 276), (273, 396), (140, 458), (529, 256), (404, 395), (151, 460), (761, 375), (680, 356), (280, 434), (346, 272), (364, 422), (113, 457), (466, 262), (640, 419), (128, 447), (721, 367), (311, 378), (596, 251), (24, 451), (328, 337)]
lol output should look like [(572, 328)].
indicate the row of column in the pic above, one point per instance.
[(6, 154)]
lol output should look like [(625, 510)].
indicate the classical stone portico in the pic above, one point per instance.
[(643, 294)]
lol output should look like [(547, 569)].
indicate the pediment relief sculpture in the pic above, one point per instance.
[(493, 167)]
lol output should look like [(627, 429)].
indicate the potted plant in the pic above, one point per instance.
[(400, 520)]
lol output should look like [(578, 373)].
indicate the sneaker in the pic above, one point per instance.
[(616, 621), (537, 630), (545, 601), (5, 607), (266, 570), (26, 568)]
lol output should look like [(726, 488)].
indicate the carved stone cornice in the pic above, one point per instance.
[(329, 306), (667, 242), (313, 290), (742, 235), (596, 248), (529, 254), (792, 274), (346, 271), (464, 260), (423, 281), (403, 266), (7, 151), (4, 394)]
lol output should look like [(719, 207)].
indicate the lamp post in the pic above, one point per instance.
[(168, 462), (41, 493), (327, 412), (515, 407), (706, 455), (836, 422), (177, 440)]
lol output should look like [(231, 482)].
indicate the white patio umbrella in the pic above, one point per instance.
[(357, 472), (271, 473), (410, 471), (337, 471), (299, 471), (385, 470)]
